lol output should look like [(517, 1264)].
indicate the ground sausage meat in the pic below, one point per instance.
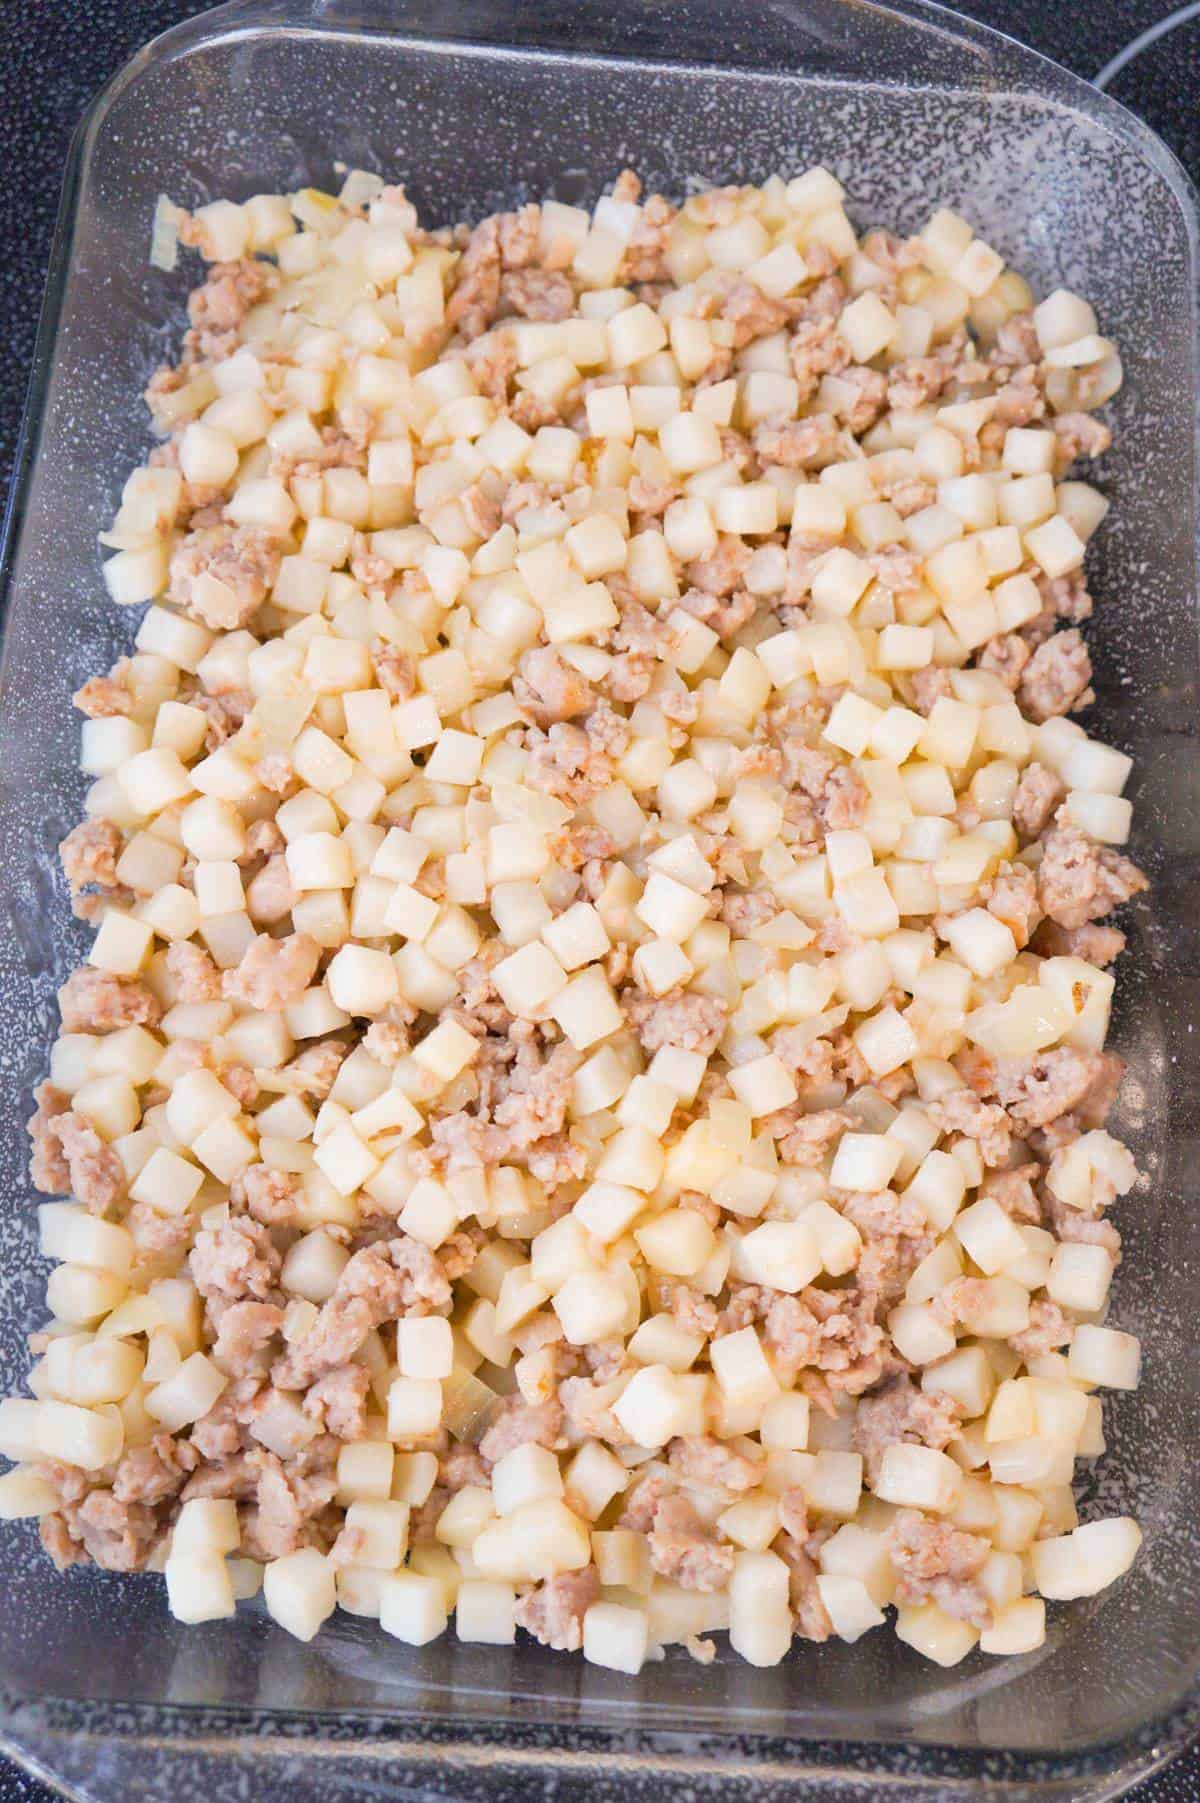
[(236, 1261), (685, 1551), (553, 1612), (934, 1561), (1039, 793), (680, 1018), (519, 1423), (89, 854), (1038, 1090), (95, 1001), (1055, 680), (1079, 880), (900, 1413), (273, 972)]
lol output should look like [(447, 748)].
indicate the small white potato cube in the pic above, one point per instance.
[(527, 1474), (848, 1605), (89, 1438), (312, 1266), (345, 1160), (455, 758), (678, 1070), (751, 508), (741, 1368), (886, 1041), (981, 941), (839, 581), (782, 1254), (832, 1481), (1055, 546), (989, 1235), (446, 1051), (763, 1085), (365, 1471), (69, 1232), (414, 1408), (755, 817), (19, 1426), (586, 1008), (136, 575), (866, 904), (1086, 1561), (633, 1158), (122, 945), (865, 1161), (921, 1336), (362, 980), (689, 528), (1019, 1627), (838, 1240), (410, 913), (597, 546), (485, 1612), (609, 414), (206, 1524), (607, 1210), (378, 1528), (669, 909), (300, 1592), (591, 1306), (852, 722), (400, 857), (938, 1188), (412, 1607), (661, 1340), (616, 1636), (760, 1619), (935, 1635), (425, 1347), (622, 1559), (688, 442), (592, 1479), (1062, 318), (465, 1516), (1028, 451), (358, 1588), (917, 1477), (198, 1585), (685, 790), (678, 1242), (651, 1409), (190, 1393), (78, 1295), (867, 327), (578, 936), (977, 269), (1079, 1276), (528, 978), (1102, 1355), (946, 238), (549, 1538), (817, 510), (784, 1425), (24, 1495)]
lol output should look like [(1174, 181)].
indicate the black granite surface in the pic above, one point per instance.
[(54, 54)]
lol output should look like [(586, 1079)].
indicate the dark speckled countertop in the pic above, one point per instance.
[(56, 54)]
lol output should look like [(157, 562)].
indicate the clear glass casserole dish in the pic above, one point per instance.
[(474, 107)]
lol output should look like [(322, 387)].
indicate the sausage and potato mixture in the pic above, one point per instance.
[(585, 1109)]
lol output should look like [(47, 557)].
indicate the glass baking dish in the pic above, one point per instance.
[(474, 106)]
